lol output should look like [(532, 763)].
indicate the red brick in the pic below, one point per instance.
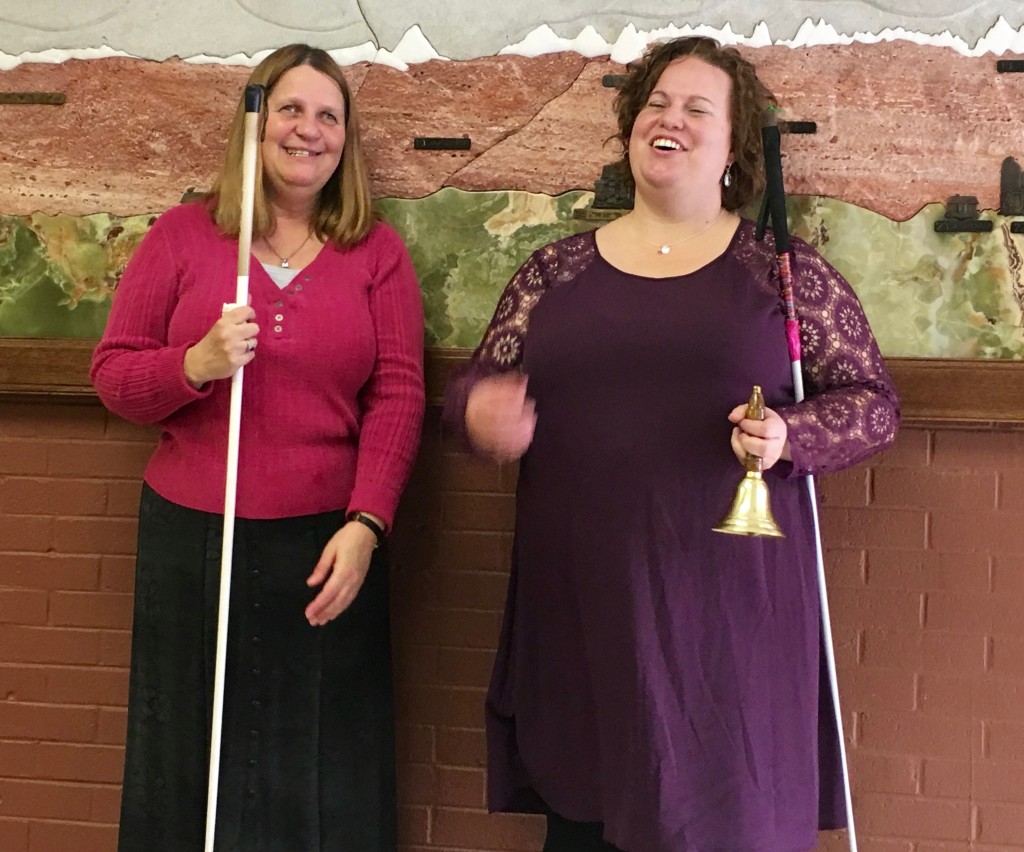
[(928, 571), (980, 532), (925, 651), (481, 512), (968, 450), (22, 496), (946, 695), (116, 429), (47, 722), (460, 788), (461, 747), (90, 685), (879, 689), (913, 448), (413, 825), (106, 803), (72, 422), (13, 834), (94, 535), (946, 779), (48, 644), (111, 725), (436, 705), (106, 459), (475, 551), (20, 683), (916, 734), (79, 836), (886, 773), (91, 609), (883, 608), (122, 498), (471, 589), (22, 606), (49, 571), (117, 574), (847, 488), (1001, 824), (115, 648), (415, 743), (32, 533), (896, 529), (465, 666), (462, 472), (1005, 740), (1007, 656), (913, 817), (22, 457), (64, 762), (933, 489), (415, 662), (998, 781), (47, 799), (416, 783), (844, 568), (470, 829)]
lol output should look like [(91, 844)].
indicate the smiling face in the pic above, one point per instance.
[(682, 138), (305, 134)]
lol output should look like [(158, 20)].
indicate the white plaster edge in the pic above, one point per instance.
[(414, 47)]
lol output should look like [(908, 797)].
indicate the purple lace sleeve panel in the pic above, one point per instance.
[(501, 349), (852, 409)]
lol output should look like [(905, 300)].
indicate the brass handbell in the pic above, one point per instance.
[(751, 512)]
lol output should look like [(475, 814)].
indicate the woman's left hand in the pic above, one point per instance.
[(342, 568), (765, 438)]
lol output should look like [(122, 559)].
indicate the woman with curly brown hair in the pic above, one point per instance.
[(656, 687)]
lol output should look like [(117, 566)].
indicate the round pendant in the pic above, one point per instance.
[(663, 250)]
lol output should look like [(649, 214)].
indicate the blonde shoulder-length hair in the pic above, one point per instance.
[(344, 211)]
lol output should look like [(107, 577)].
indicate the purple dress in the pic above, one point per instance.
[(654, 675)]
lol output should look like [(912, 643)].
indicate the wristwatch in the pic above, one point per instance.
[(370, 523)]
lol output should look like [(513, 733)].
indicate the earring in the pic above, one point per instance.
[(727, 177)]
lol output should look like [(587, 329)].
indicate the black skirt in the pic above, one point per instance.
[(307, 759)]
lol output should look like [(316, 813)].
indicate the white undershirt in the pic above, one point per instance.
[(280, 275)]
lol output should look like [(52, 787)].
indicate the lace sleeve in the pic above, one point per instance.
[(501, 349), (852, 409)]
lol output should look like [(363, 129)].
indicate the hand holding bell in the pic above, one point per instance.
[(751, 511)]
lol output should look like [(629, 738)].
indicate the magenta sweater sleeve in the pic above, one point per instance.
[(392, 401), (136, 373)]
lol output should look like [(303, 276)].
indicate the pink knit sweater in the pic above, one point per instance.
[(332, 403)]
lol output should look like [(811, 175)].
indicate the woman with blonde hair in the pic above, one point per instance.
[(332, 343)]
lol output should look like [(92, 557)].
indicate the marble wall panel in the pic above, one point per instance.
[(899, 126)]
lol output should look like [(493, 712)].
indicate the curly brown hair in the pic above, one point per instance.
[(749, 99)]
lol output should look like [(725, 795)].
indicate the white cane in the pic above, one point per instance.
[(250, 145), (775, 209)]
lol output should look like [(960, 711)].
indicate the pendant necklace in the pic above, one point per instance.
[(665, 248), (284, 260)]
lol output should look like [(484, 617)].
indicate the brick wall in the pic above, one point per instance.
[(925, 562)]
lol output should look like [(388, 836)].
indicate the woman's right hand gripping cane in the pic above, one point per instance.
[(500, 418), (228, 345)]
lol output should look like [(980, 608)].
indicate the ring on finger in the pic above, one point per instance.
[(250, 344)]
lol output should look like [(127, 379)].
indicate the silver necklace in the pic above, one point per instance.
[(665, 248), (284, 260)]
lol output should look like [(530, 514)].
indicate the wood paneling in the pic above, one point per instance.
[(935, 391)]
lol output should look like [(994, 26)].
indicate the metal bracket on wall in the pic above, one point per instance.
[(441, 143), (26, 98), (962, 217), (1010, 66)]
